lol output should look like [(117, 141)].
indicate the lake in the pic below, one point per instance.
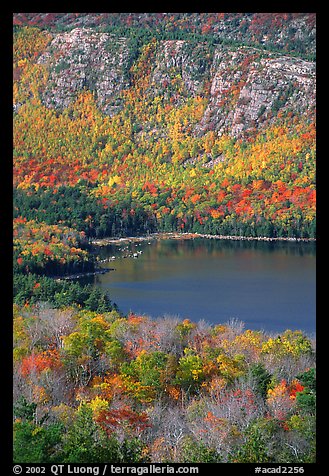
[(269, 286)]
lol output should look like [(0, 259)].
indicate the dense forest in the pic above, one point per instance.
[(99, 387), (129, 124)]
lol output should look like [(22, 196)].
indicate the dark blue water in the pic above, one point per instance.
[(269, 286)]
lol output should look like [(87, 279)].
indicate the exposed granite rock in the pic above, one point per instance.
[(84, 58), (246, 87), (190, 61), (248, 90)]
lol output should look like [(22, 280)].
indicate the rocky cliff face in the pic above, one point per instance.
[(246, 88), (81, 59), (188, 62)]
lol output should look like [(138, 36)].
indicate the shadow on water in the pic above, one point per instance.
[(268, 285)]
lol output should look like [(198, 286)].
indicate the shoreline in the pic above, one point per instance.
[(191, 236), (170, 236), (83, 274)]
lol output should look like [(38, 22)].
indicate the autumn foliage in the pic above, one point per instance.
[(184, 385), (92, 385), (148, 153)]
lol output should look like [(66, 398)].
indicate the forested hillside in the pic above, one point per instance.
[(194, 134), (132, 123)]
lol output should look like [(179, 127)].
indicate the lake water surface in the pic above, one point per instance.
[(269, 286)]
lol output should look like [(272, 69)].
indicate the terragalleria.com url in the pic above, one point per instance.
[(113, 469), (153, 469)]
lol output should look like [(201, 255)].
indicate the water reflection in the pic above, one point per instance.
[(267, 285)]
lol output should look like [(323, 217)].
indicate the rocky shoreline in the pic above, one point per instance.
[(83, 275), (190, 236), (166, 236)]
